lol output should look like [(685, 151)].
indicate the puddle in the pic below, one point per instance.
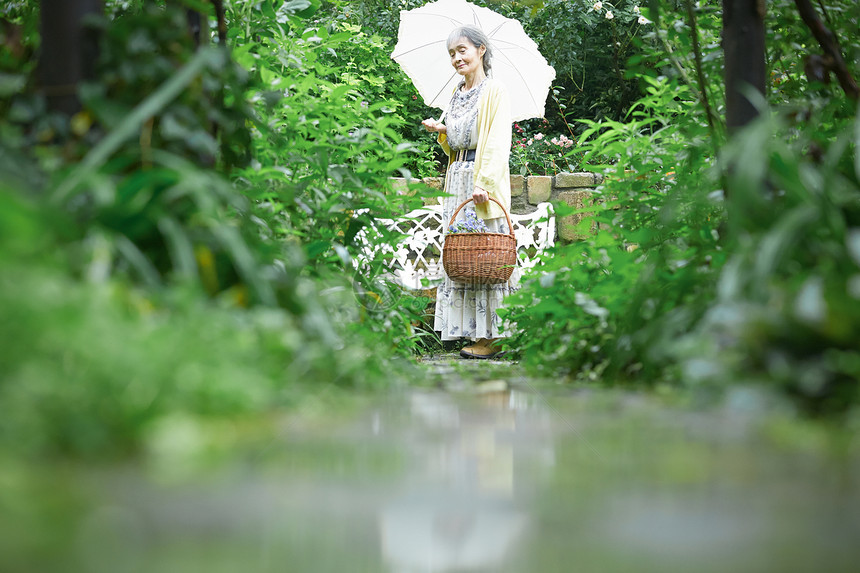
[(502, 479)]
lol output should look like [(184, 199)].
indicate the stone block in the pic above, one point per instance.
[(570, 227), (400, 185), (540, 188), (567, 180), (520, 206), (518, 184), (436, 183)]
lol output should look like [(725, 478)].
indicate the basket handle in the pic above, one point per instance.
[(496, 201)]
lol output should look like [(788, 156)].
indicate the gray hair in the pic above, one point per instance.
[(478, 38)]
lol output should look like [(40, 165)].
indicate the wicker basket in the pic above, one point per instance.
[(479, 258)]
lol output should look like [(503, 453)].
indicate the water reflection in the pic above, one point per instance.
[(491, 480), (457, 508)]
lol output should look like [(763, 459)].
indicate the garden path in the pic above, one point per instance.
[(482, 468)]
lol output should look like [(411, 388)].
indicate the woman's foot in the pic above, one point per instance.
[(484, 349), (479, 342)]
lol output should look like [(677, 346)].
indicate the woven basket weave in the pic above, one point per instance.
[(480, 258)]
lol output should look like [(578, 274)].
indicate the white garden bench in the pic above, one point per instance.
[(415, 262)]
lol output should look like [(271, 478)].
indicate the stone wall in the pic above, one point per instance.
[(574, 189)]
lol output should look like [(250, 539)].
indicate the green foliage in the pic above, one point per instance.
[(607, 305), (323, 158), (787, 36), (143, 208), (199, 219), (589, 52), (786, 311), (139, 52), (715, 263), (380, 17), (363, 61), (89, 366)]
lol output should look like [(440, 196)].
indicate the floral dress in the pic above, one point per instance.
[(466, 310)]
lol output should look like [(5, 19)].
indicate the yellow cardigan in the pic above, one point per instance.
[(492, 171)]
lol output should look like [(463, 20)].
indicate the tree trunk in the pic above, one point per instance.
[(69, 51), (743, 45)]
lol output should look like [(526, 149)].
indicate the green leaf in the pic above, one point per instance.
[(317, 248), (181, 249), (810, 306), (778, 242), (11, 84), (294, 6), (857, 144), (131, 125), (244, 261), (853, 243), (138, 261)]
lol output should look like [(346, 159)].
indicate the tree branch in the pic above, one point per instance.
[(222, 24), (830, 46)]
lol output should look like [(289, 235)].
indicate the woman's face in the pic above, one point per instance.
[(465, 57)]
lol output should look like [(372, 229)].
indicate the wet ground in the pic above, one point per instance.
[(481, 469)]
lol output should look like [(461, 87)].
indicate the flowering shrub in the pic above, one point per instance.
[(540, 154), (590, 43), (633, 12), (471, 224)]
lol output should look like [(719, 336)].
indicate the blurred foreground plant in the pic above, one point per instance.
[(607, 305), (184, 243), (714, 263), (787, 306)]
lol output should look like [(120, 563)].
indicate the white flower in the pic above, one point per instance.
[(636, 9), (644, 20), (598, 6), (609, 15), (539, 136)]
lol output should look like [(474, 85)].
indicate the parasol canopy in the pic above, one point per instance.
[(422, 52)]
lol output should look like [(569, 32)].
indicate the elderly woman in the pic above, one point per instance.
[(477, 139)]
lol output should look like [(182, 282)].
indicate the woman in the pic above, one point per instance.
[(477, 139)]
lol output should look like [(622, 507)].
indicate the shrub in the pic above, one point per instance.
[(716, 263), (606, 306), (196, 258)]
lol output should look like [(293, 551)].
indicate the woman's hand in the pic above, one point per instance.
[(480, 196), (433, 125)]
